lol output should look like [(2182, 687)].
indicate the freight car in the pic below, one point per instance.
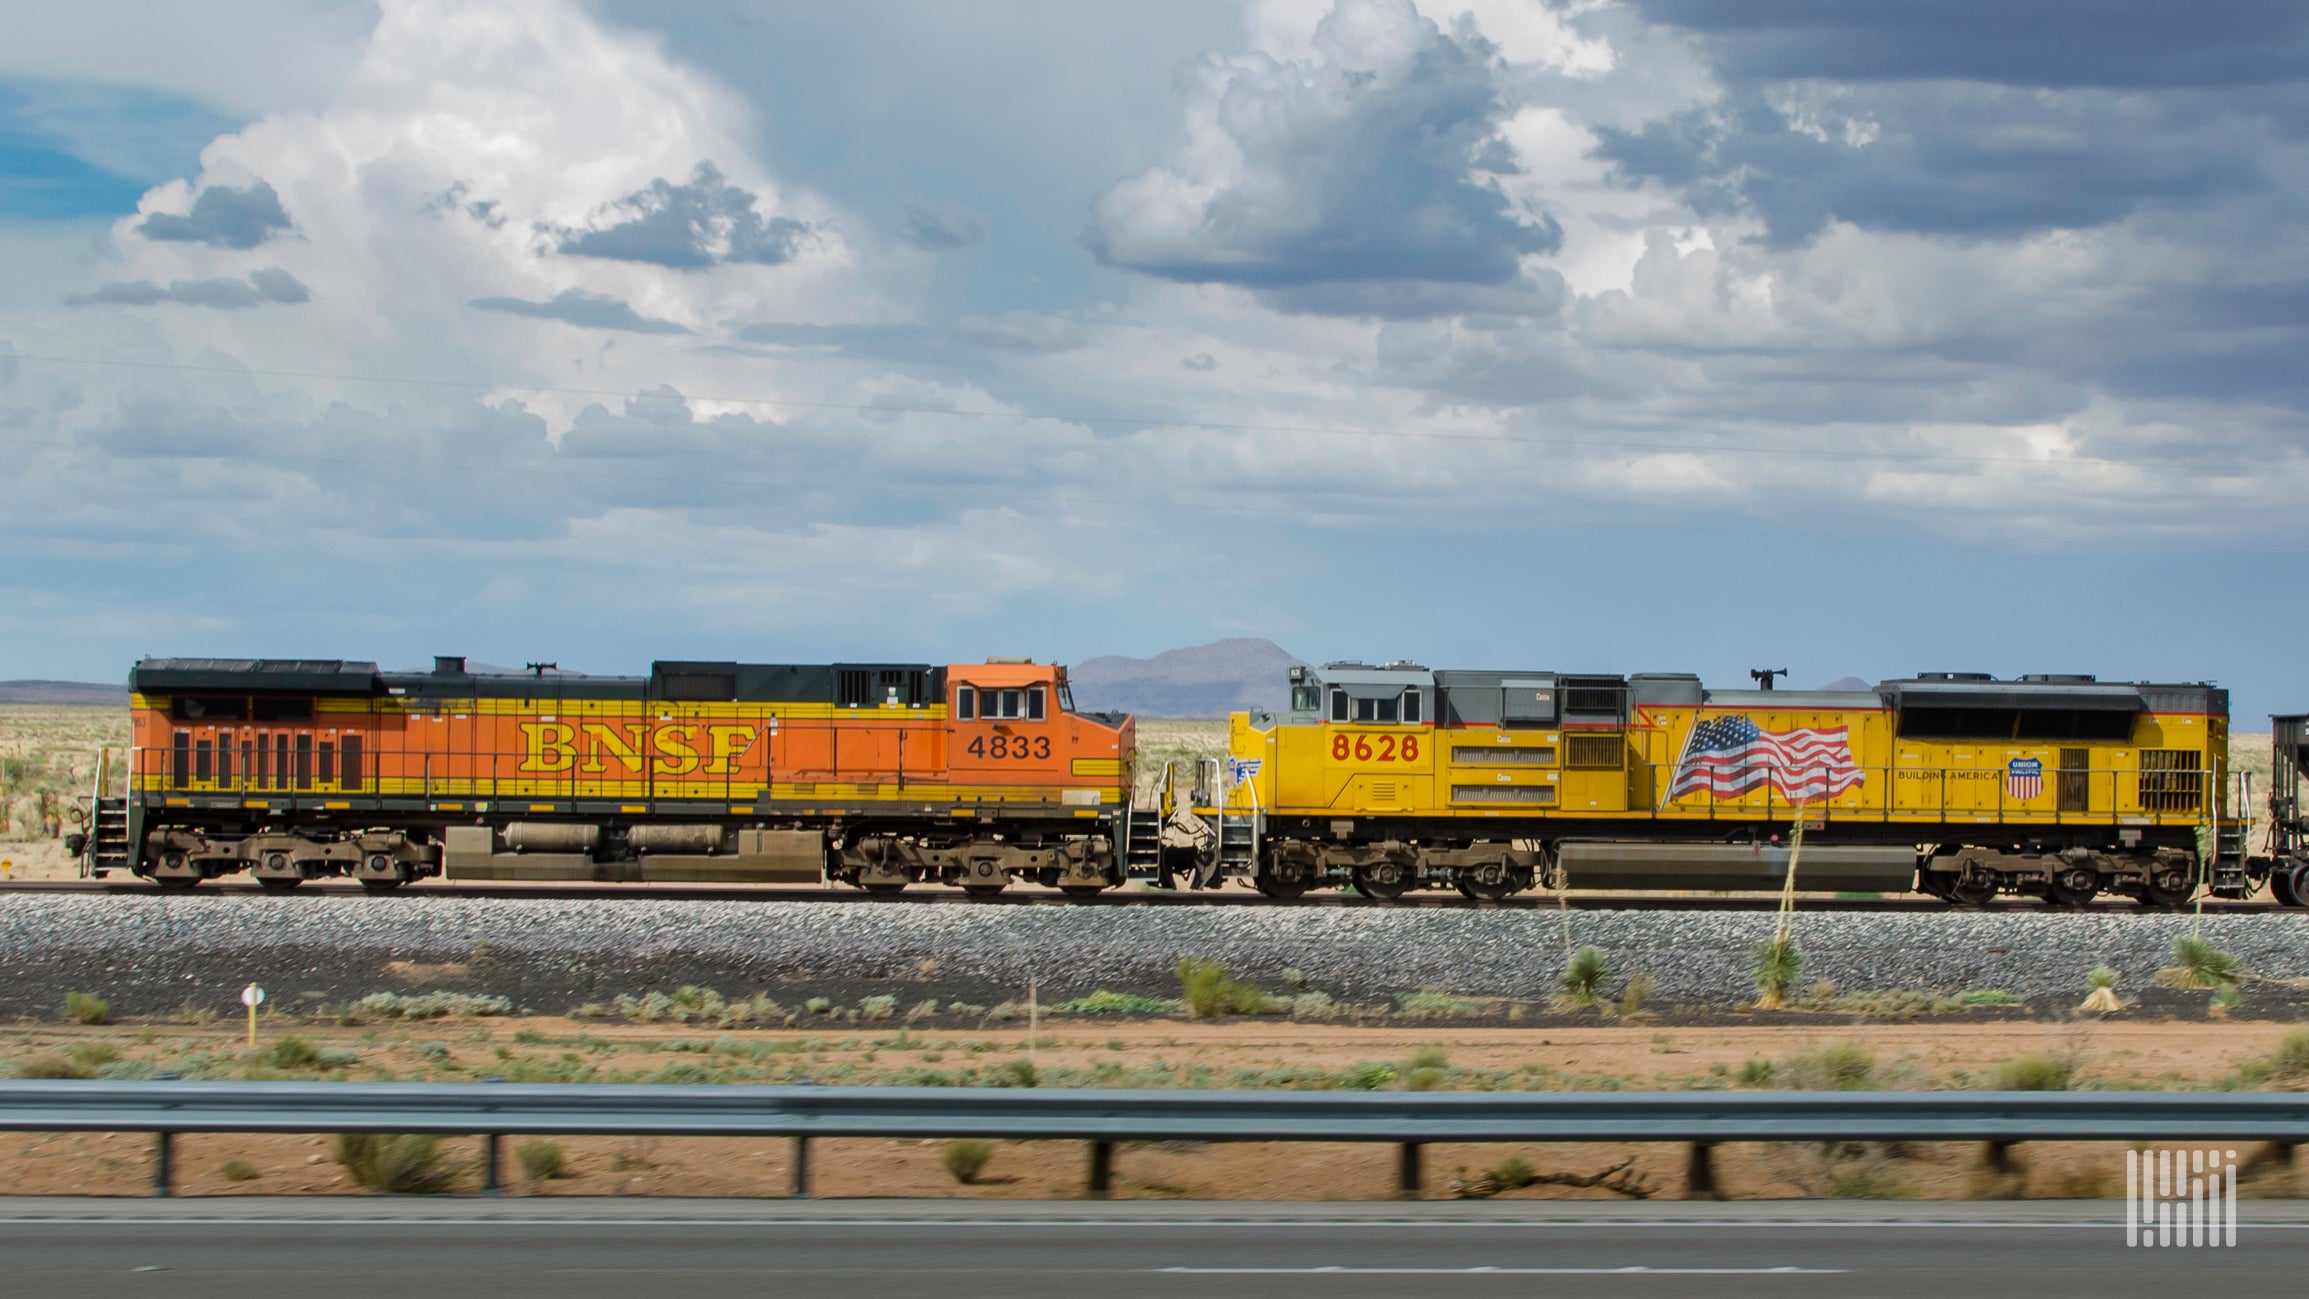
[(878, 775), (1393, 778)]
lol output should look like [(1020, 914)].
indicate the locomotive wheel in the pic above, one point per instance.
[(1491, 883), (1281, 890), (2289, 884), (886, 888), (1080, 891), (175, 883), (279, 883), (2167, 889), (983, 890), (1385, 881), (1972, 893), (2075, 888), (385, 884)]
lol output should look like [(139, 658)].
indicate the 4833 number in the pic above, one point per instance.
[(1017, 749), (1375, 748)]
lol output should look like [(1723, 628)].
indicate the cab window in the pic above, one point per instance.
[(966, 703)]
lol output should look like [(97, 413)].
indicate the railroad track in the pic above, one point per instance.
[(1030, 896)]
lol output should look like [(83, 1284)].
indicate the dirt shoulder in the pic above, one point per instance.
[(1082, 1051)]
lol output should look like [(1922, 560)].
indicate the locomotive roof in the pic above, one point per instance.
[(918, 683)]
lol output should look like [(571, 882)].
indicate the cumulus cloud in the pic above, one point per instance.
[(582, 309), (269, 286), (939, 229), (705, 222), (1332, 179), (222, 217)]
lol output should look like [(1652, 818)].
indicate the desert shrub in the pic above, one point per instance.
[(1314, 1005), (128, 1071), (1864, 1182), (48, 1067), (966, 1158), (402, 1163), (1987, 997), (1512, 1175), (87, 1008), (429, 1005), (818, 1005), (2228, 997), (1633, 993), (683, 1072), (2033, 1073), (1436, 1005), (921, 1010), (291, 1052), (238, 1170), (88, 1057), (1427, 1070), (1830, 1067), (339, 1057), (540, 1160), (2102, 976), (2202, 965), (2102, 1000), (1013, 1073), (876, 1008), (1107, 1002), (1756, 1073), (2291, 1060), (1370, 1077), (1584, 974), (1778, 964), (1212, 993), (436, 1052)]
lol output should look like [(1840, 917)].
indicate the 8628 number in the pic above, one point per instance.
[(1375, 748)]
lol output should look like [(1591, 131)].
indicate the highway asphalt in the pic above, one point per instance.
[(248, 1247)]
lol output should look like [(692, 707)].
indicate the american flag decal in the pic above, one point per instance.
[(1729, 756), (2023, 778)]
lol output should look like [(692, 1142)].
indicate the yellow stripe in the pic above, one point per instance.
[(1098, 766)]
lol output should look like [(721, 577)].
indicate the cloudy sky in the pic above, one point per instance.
[(1657, 334)]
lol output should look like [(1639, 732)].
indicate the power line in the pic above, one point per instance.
[(1127, 421)]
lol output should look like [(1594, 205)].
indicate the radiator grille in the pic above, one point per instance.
[(1534, 795), (1503, 755)]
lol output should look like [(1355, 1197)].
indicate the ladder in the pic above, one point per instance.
[(111, 844)]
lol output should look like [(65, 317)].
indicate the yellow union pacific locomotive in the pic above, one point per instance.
[(1392, 778)]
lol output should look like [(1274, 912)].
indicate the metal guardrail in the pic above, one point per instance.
[(1103, 1117)]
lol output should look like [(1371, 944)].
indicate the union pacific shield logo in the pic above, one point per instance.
[(2023, 778)]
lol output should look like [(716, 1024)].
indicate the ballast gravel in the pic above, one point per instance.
[(153, 955)]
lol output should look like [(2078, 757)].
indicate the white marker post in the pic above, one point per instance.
[(252, 997)]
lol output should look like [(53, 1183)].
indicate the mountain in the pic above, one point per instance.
[(1205, 681), (62, 692)]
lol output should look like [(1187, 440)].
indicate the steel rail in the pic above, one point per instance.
[(1033, 897), (1104, 1117)]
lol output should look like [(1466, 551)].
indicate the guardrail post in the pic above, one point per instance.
[(1700, 1172), (1101, 1168), (163, 1163), (1407, 1169), (801, 1189), (1997, 1155), (492, 1164)]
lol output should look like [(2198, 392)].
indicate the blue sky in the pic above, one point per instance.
[(1645, 335)]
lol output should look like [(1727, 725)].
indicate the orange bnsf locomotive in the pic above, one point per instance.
[(877, 775)]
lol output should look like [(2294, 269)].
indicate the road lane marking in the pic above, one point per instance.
[(1633, 1270)]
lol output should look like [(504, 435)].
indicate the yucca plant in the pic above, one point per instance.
[(2103, 999), (1779, 964), (2203, 965), (1584, 974)]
